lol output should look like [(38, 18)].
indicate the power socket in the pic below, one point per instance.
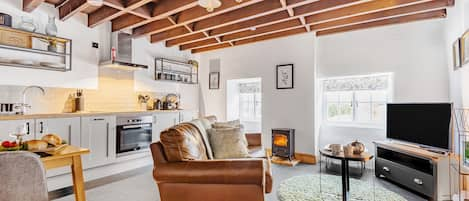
[(95, 45)]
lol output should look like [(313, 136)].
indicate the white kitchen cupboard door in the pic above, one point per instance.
[(163, 121), (98, 134), (67, 128), (9, 127), (187, 115)]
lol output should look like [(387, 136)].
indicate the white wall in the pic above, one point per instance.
[(415, 53), (280, 108)]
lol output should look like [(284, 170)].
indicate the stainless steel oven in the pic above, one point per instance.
[(133, 134)]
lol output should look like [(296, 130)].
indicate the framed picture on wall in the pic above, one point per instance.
[(285, 76), (457, 54), (214, 80), (465, 48)]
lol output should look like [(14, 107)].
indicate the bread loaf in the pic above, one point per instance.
[(36, 145), (52, 139)]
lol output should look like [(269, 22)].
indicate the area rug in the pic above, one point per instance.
[(306, 188)]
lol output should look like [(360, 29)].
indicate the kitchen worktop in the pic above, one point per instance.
[(82, 114)]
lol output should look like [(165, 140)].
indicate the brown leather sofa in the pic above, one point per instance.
[(184, 170)]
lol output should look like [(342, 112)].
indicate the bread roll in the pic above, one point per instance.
[(52, 139), (36, 145)]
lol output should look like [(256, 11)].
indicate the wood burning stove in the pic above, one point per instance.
[(283, 143)]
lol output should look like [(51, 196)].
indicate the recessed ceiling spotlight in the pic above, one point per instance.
[(253, 28), (239, 1)]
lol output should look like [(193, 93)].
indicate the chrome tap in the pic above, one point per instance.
[(23, 105)]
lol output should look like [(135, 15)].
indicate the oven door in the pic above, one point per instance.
[(133, 137)]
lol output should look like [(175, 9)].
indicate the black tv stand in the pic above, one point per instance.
[(414, 168)]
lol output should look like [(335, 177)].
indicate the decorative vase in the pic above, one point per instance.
[(51, 28), (358, 147), (27, 24)]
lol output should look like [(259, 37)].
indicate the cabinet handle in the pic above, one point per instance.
[(418, 181), (27, 128), (107, 139), (100, 119), (70, 134), (386, 169), (382, 176), (41, 125)]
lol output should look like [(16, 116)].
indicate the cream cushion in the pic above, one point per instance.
[(228, 143), (228, 124)]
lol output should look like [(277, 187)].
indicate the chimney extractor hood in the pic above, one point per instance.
[(119, 55)]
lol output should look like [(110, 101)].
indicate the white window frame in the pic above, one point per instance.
[(354, 122)]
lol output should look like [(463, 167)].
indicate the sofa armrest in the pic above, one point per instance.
[(248, 171), (254, 139)]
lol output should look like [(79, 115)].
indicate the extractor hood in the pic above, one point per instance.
[(119, 56)]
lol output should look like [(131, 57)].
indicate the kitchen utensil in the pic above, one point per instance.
[(5, 19)]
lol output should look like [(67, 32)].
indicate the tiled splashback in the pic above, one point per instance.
[(115, 93)]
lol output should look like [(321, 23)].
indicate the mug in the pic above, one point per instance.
[(335, 148)]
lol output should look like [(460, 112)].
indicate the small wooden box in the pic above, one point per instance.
[(15, 38)]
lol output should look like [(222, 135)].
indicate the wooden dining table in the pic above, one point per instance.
[(69, 156)]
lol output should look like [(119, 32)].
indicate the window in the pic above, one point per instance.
[(244, 102), (359, 100)]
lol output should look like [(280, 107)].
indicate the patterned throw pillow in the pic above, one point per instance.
[(228, 143)]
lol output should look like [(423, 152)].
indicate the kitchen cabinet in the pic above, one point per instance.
[(98, 133), (162, 121), (187, 115), (67, 128), (10, 127)]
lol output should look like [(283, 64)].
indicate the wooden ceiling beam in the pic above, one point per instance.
[(72, 7), (167, 34), (199, 44), (209, 48), (363, 8), (280, 16), (161, 10), (185, 39), (255, 10), (130, 19), (322, 6), (263, 30), (397, 20), (430, 5), (115, 8), (30, 5), (251, 40), (188, 16)]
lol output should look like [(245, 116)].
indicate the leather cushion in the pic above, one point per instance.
[(183, 142)]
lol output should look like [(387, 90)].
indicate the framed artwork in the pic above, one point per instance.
[(464, 48), (457, 54), (285, 76), (214, 80)]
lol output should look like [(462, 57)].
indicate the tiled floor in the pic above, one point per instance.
[(141, 187)]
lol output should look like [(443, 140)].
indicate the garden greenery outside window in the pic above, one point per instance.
[(357, 100)]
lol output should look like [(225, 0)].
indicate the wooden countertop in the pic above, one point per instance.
[(82, 114)]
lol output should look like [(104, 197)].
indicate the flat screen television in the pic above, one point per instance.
[(426, 124)]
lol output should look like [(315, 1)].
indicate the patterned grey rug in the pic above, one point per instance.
[(306, 188)]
